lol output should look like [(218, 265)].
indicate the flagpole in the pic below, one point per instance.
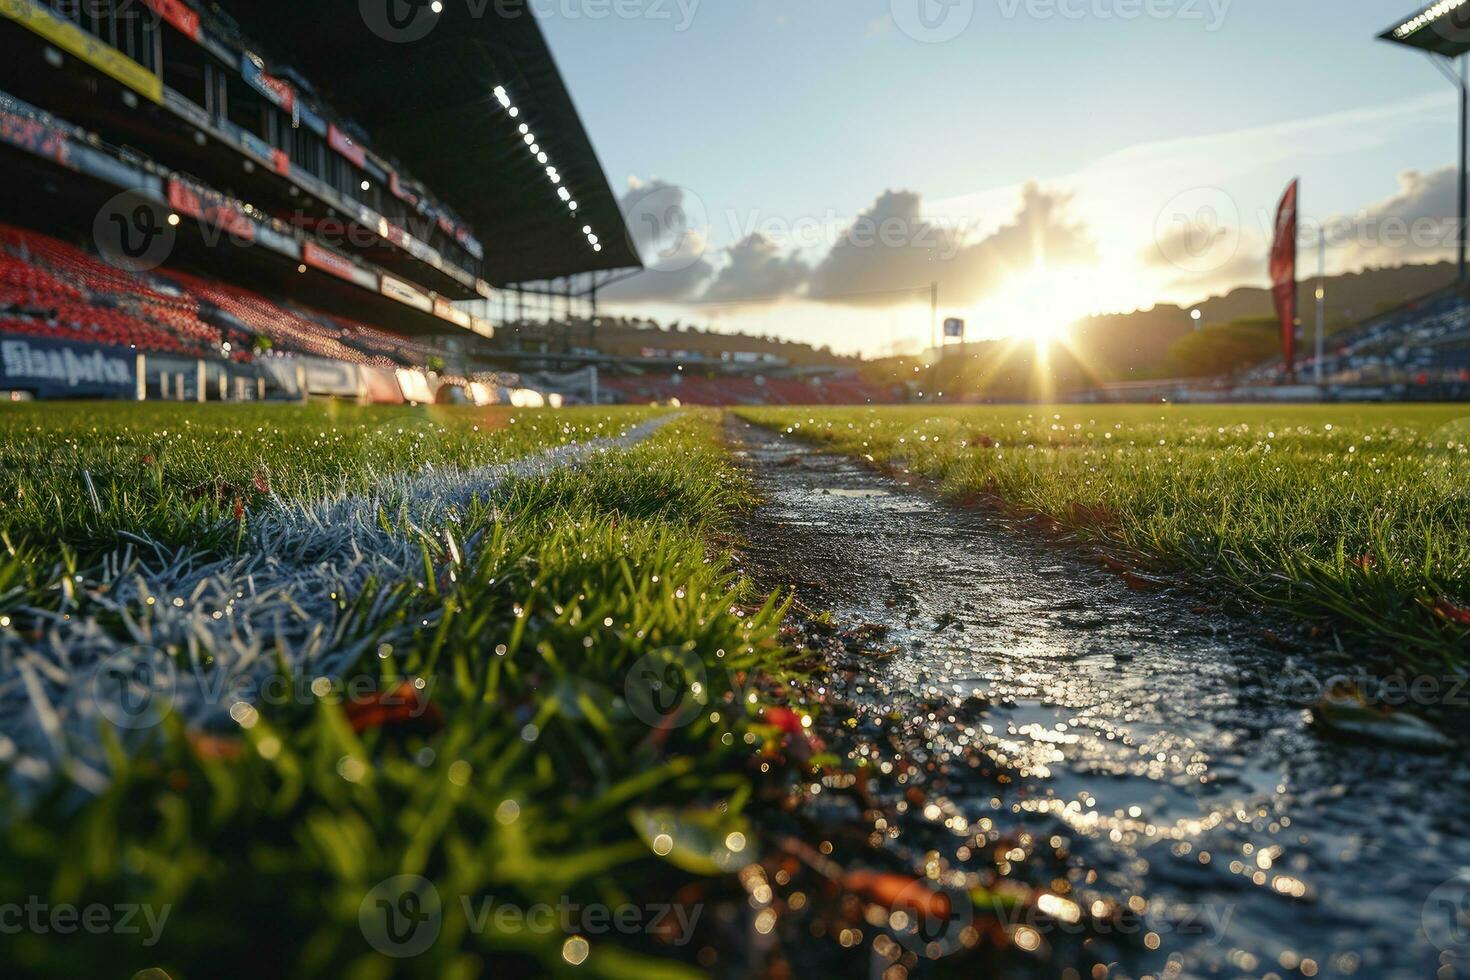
[(1321, 303), (934, 314), (938, 341)]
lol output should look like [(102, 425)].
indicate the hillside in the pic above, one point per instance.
[(631, 337), (1138, 343)]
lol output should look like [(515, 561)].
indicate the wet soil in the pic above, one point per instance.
[(1152, 756)]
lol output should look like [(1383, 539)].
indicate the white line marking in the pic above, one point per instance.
[(233, 623)]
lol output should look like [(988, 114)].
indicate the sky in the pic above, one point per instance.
[(808, 168)]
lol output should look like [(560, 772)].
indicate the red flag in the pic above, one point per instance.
[(1283, 275)]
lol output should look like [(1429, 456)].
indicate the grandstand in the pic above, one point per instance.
[(723, 390), (279, 189), (1419, 351)]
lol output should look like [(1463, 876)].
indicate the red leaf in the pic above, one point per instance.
[(1453, 612), (215, 747), (239, 510), (786, 720), (403, 708), (894, 891), (262, 485), (1143, 583)]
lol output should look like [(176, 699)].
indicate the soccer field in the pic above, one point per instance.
[(416, 667), (272, 670), (1349, 514)]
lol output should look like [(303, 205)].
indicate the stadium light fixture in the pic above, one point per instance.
[(552, 174), (1442, 32), (1429, 18)]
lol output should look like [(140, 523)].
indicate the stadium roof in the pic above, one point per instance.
[(1442, 28), (423, 89)]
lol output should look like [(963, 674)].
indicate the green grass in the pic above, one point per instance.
[(1358, 515), (81, 474), (542, 784)]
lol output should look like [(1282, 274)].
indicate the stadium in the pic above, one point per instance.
[(423, 555)]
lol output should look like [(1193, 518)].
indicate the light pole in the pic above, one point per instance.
[(1442, 32), (1322, 303)]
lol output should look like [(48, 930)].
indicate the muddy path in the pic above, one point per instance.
[(1155, 757)]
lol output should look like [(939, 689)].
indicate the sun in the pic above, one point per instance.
[(1040, 306)]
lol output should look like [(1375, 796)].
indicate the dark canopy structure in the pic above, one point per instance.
[(1442, 28), (421, 83)]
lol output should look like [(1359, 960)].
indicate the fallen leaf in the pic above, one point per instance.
[(1453, 612), (215, 747), (896, 891), (1345, 713), (1139, 582), (402, 709), (786, 720)]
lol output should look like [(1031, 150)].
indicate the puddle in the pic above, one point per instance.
[(1159, 756), (858, 494)]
